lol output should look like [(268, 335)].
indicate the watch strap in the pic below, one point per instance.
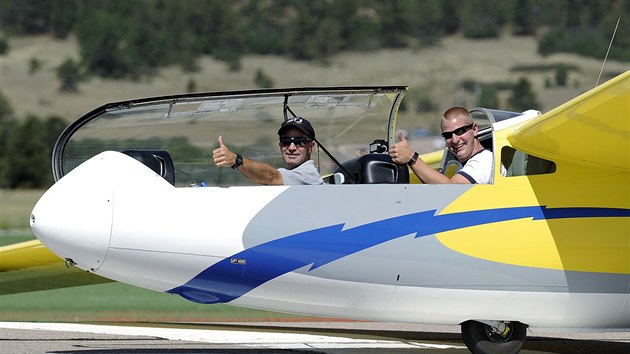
[(239, 161), (413, 160)]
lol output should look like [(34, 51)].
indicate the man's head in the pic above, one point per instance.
[(296, 141), (460, 132)]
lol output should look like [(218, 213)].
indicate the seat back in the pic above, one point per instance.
[(450, 164), (159, 161), (519, 163), (374, 168)]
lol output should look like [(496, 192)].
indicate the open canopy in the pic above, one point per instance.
[(346, 121)]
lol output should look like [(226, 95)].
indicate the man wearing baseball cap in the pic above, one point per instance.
[(296, 144)]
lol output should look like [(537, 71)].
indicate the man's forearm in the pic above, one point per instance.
[(260, 172), (427, 174)]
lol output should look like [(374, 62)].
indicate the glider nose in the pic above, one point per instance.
[(74, 217)]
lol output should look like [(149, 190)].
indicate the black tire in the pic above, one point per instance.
[(481, 339)]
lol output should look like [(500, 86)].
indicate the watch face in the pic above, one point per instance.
[(414, 158), (238, 162)]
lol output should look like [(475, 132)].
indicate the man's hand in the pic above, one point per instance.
[(401, 152), (222, 156), (258, 172)]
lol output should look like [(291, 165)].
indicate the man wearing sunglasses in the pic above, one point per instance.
[(460, 133), (296, 144)]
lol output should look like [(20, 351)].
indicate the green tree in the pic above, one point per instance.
[(27, 158), (53, 126), (28, 17), (4, 46), (25, 151), (160, 35), (217, 29), (6, 111), (488, 97), (102, 43), (395, 26), (262, 32), (548, 13), (425, 104), (484, 18), (523, 22), (428, 30), (450, 16), (586, 27), (7, 127), (583, 40), (25, 17), (69, 75), (620, 49), (62, 16), (523, 97), (34, 64), (313, 34), (191, 86), (562, 73), (357, 30), (262, 80)]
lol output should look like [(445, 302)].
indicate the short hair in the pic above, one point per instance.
[(455, 112)]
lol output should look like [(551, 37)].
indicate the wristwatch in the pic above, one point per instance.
[(239, 161), (413, 160)]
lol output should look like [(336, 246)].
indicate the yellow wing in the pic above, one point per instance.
[(591, 129), (433, 159), (26, 254), (30, 266)]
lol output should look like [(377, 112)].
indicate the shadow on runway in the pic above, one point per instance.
[(533, 344), (572, 346), (419, 340)]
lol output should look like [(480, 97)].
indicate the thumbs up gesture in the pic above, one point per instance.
[(222, 155), (401, 152), (401, 137)]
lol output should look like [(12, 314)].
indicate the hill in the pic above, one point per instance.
[(436, 72)]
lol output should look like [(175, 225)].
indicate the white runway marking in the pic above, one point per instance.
[(243, 338)]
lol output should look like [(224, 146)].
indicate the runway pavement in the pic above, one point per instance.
[(275, 337)]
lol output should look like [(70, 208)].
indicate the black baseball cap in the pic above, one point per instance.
[(300, 123)]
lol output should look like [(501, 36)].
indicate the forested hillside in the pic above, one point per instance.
[(121, 38), (124, 45)]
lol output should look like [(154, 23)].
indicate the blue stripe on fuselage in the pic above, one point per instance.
[(232, 277)]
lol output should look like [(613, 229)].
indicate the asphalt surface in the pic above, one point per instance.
[(276, 337)]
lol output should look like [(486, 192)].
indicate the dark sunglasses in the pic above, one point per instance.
[(459, 131), (297, 140)]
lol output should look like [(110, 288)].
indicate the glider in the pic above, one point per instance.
[(545, 246)]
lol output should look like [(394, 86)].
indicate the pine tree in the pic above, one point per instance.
[(27, 158), (523, 98)]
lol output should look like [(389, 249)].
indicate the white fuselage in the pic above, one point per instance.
[(333, 250)]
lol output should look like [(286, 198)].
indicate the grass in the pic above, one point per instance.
[(434, 71), (116, 302), (16, 207), (11, 237)]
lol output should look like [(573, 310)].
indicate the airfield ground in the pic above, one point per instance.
[(275, 338)]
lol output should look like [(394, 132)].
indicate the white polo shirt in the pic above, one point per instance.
[(306, 173), (479, 168)]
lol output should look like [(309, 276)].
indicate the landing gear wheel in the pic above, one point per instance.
[(505, 338)]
